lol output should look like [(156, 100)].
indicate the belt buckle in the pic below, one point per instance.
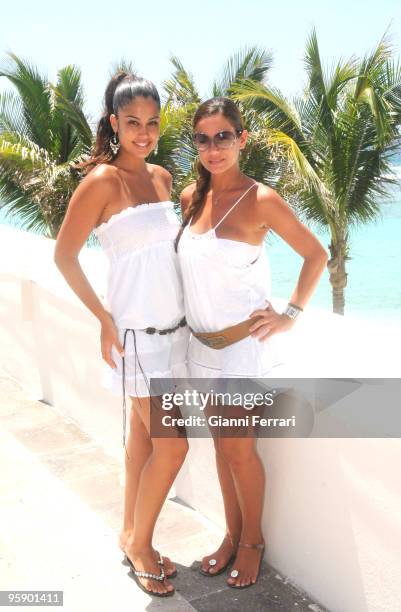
[(215, 342)]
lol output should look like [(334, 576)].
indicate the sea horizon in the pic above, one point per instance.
[(373, 291)]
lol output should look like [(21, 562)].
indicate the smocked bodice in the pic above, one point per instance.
[(144, 283)]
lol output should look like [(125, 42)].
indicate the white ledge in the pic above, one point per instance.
[(332, 512)]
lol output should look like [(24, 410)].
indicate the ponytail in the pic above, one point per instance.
[(101, 151)]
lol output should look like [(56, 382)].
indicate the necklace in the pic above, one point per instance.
[(214, 203), (216, 200)]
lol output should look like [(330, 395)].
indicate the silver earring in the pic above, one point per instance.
[(114, 143), (156, 149)]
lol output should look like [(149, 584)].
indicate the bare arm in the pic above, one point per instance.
[(168, 180), (83, 212), (278, 216), (186, 197)]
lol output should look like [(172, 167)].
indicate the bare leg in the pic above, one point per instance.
[(232, 513), (155, 481), (243, 459), (139, 449)]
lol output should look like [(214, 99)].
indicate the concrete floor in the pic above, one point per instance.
[(60, 515)]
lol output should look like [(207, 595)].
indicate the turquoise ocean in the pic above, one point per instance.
[(373, 288), (373, 291)]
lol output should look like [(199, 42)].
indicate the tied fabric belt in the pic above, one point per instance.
[(148, 330)]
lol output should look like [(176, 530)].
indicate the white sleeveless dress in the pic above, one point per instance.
[(224, 282), (144, 290)]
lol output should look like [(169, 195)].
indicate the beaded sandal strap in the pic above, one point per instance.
[(149, 575), (160, 561)]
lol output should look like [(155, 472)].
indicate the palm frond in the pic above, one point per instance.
[(251, 63), (11, 113), (180, 88), (270, 102), (302, 167), (341, 77), (314, 68), (123, 65), (35, 97), (72, 127)]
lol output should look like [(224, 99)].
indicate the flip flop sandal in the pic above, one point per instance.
[(212, 563), (235, 573), (160, 578), (125, 561), (161, 562)]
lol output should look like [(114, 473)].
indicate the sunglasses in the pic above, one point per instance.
[(221, 140)]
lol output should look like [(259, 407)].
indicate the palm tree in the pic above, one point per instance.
[(339, 139), (43, 131)]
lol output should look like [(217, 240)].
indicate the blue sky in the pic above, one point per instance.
[(95, 35)]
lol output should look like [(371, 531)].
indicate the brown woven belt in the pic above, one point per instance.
[(227, 336)]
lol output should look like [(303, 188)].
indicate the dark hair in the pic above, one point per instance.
[(122, 88), (230, 111)]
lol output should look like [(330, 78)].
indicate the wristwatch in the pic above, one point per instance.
[(292, 311)]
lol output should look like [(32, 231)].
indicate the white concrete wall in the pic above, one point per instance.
[(332, 518)]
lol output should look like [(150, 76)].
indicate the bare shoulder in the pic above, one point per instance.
[(160, 171), (163, 174), (270, 205), (102, 177), (267, 195), (99, 187), (276, 214), (186, 196)]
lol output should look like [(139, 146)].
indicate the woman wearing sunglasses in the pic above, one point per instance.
[(226, 216), (127, 203)]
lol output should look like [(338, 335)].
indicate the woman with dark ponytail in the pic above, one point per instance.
[(126, 202), (227, 292)]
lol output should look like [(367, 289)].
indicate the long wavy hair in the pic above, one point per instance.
[(122, 88), (230, 111)]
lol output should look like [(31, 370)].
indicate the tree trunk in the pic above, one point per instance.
[(48, 211), (338, 275), (51, 227)]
